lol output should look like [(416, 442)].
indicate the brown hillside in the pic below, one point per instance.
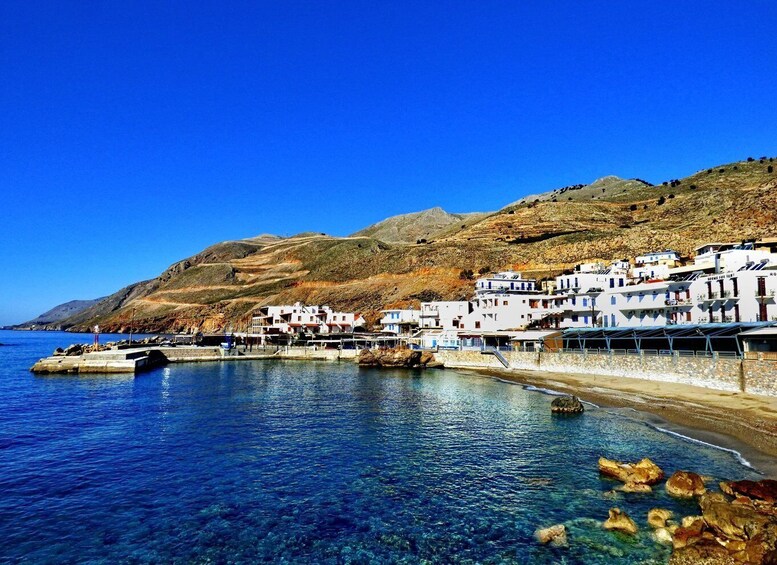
[(224, 284)]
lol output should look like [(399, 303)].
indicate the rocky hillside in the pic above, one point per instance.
[(388, 265), (415, 227)]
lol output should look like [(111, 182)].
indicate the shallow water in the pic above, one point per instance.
[(311, 462)]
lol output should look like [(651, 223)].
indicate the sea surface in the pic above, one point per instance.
[(294, 462)]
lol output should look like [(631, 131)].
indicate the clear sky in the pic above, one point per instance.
[(134, 134)]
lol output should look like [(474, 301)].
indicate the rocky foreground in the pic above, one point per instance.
[(737, 525)]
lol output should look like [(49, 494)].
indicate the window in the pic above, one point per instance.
[(612, 300), (477, 325), (612, 283), (585, 319), (504, 302), (585, 302), (612, 319), (574, 317), (620, 282)]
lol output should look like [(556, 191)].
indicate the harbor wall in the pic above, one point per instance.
[(715, 372)]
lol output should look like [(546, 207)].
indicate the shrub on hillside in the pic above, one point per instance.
[(466, 274), (661, 201)]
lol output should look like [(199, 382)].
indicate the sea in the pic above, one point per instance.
[(314, 462)]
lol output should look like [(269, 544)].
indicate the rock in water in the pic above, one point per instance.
[(644, 472), (684, 484), (555, 535), (566, 405), (657, 517), (620, 522), (394, 358)]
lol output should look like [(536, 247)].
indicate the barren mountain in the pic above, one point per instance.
[(387, 265)]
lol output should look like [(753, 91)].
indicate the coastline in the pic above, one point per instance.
[(744, 424)]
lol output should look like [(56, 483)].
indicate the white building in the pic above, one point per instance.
[(400, 322), (298, 318), (507, 301), (443, 315)]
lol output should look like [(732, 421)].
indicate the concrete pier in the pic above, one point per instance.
[(136, 360)]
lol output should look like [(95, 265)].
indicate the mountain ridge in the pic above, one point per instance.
[(224, 284)]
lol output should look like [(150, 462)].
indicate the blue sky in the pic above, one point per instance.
[(135, 134)]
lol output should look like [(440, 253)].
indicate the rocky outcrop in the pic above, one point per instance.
[(735, 531), (566, 405), (409, 358), (765, 490), (620, 522), (554, 535), (644, 472), (685, 484)]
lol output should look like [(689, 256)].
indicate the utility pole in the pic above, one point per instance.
[(132, 323)]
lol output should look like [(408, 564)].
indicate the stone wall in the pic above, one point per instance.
[(720, 373)]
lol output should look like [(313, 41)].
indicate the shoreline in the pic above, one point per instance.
[(743, 424)]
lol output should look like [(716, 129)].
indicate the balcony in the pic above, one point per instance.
[(765, 296), (678, 302), (713, 296)]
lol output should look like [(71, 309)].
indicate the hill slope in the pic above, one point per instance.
[(224, 284), (51, 319), (409, 228)]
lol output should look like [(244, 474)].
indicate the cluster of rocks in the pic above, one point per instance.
[(566, 405), (77, 349), (409, 358), (735, 526)]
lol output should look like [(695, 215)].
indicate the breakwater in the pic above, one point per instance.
[(755, 376)]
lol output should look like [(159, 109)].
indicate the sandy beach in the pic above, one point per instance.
[(741, 422)]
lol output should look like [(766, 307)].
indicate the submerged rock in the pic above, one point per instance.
[(644, 472), (555, 535), (620, 522), (566, 405), (685, 484), (635, 487)]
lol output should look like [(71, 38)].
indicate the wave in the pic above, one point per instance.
[(737, 455)]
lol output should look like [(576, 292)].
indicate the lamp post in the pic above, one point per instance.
[(132, 323)]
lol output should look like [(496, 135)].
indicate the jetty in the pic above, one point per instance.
[(138, 359)]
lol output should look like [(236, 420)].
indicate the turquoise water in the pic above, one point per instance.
[(311, 463)]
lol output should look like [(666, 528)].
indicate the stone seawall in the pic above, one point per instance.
[(719, 373)]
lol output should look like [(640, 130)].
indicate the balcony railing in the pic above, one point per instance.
[(726, 294)]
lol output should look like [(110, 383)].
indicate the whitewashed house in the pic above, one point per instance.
[(507, 301), (299, 318), (400, 322), (443, 315)]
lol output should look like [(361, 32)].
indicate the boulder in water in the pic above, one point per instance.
[(657, 517), (644, 472), (620, 522), (394, 358), (566, 405), (685, 484), (554, 535)]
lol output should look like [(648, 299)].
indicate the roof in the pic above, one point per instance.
[(533, 335), (769, 331), (679, 330)]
